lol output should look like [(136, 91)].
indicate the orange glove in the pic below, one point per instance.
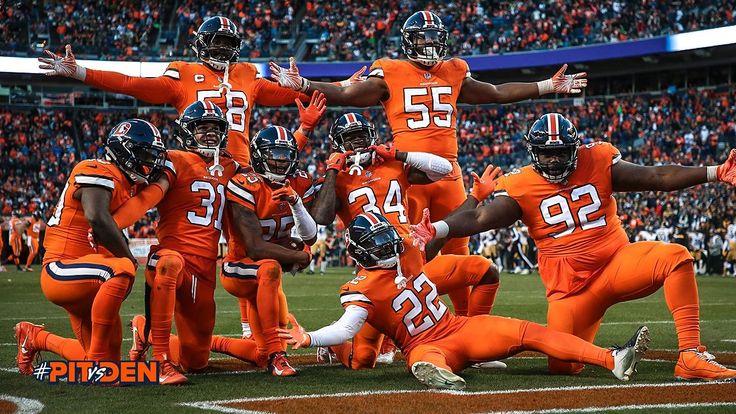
[(338, 161), (295, 336), (726, 172), (311, 115), (422, 232), (384, 152), (485, 185)]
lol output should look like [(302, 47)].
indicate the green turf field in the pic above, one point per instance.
[(314, 301)]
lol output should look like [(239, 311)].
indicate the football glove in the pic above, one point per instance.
[(383, 152), (485, 185), (423, 232), (561, 83), (285, 193), (289, 78), (295, 336), (62, 66), (726, 172), (311, 115), (338, 161), (354, 78)]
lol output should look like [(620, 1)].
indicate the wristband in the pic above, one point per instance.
[(712, 173), (441, 229), (544, 87)]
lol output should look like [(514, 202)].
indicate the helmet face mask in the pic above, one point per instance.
[(553, 145), (202, 128), (424, 38), (217, 42), (373, 242), (352, 132), (274, 154), (135, 146)]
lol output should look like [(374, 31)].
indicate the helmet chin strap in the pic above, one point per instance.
[(356, 168), (399, 280), (225, 85), (216, 169)]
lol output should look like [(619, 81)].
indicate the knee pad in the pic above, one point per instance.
[(269, 270), (170, 264)]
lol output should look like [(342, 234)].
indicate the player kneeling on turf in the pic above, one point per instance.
[(401, 302)]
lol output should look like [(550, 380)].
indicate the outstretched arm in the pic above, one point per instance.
[(477, 92), (627, 176), (364, 93), (340, 331), (160, 90), (135, 208), (502, 212)]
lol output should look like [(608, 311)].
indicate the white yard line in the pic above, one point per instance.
[(25, 405)]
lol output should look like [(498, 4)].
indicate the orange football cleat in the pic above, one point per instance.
[(697, 364), (169, 375), (140, 344), (278, 365), (25, 334)]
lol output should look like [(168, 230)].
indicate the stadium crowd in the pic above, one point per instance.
[(348, 30), (690, 127)]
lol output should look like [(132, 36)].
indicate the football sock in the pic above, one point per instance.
[(681, 295), (243, 349), (267, 299), (105, 342), (482, 298), (163, 301), (69, 349), (460, 298), (564, 346)]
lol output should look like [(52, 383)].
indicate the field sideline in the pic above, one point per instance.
[(314, 301)]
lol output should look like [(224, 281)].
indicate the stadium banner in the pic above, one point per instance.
[(141, 247), (337, 70)]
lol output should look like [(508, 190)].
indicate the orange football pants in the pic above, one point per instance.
[(16, 243), (32, 252), (448, 272), (91, 289), (182, 289), (258, 283), (634, 271), (490, 338), (441, 198)]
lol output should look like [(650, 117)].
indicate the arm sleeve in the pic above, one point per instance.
[(301, 139), (160, 90), (434, 166), (269, 93), (303, 222), (136, 207), (345, 328)]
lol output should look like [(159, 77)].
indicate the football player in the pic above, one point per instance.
[(235, 87), (420, 97), (586, 261), (16, 234), (181, 270), (356, 182), (263, 207), (436, 343), (33, 235), (91, 283)]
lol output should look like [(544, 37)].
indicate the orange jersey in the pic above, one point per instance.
[(411, 316), (253, 192), (66, 233), (575, 220), (12, 231), (380, 189), (192, 209), (33, 231), (422, 104), (184, 83)]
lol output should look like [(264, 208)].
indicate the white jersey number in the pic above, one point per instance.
[(208, 202), (556, 210), (393, 203), (435, 307), (237, 105), (443, 110)]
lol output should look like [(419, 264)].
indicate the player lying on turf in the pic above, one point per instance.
[(90, 283), (586, 262), (420, 97), (436, 343), (363, 176)]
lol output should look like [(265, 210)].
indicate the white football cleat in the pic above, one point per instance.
[(626, 358), (435, 377), (326, 356), (489, 365)]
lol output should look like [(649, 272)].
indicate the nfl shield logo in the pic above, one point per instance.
[(368, 174), (427, 75)]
